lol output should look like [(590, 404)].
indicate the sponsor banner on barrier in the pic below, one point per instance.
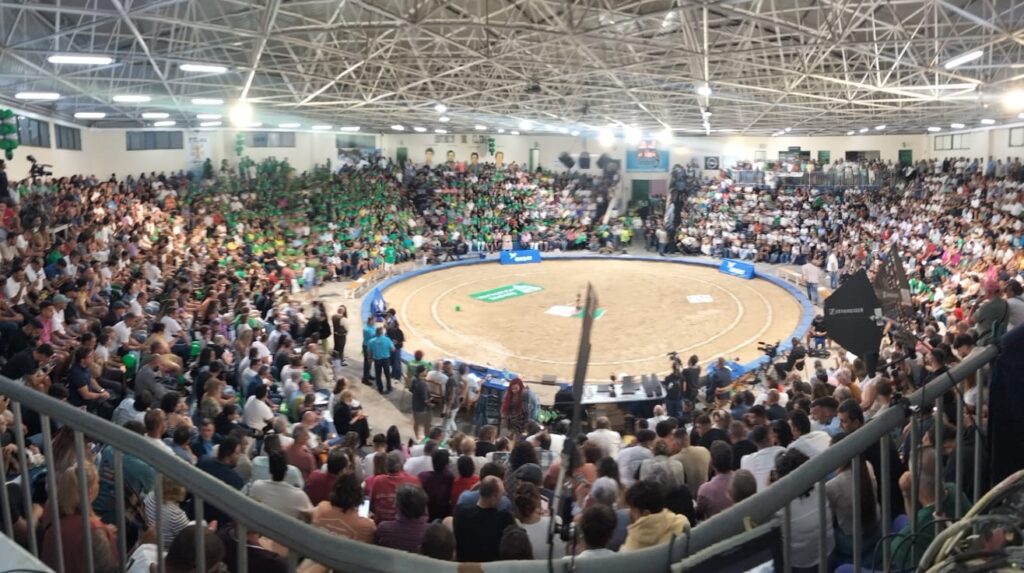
[(737, 268), (520, 257), (505, 292)]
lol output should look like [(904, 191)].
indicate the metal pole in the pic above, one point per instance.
[(858, 524), (915, 471), (959, 452), (51, 484), (242, 566), (787, 534), (83, 499), (119, 513), (200, 534), (886, 454), (26, 480), (938, 425), (8, 521), (823, 524), (158, 502)]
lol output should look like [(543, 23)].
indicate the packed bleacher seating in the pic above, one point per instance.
[(185, 310)]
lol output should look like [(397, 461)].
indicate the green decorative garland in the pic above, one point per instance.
[(8, 133)]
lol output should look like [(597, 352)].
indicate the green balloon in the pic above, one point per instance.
[(458, 308)]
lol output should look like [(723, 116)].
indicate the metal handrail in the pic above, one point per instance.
[(335, 552), (342, 554)]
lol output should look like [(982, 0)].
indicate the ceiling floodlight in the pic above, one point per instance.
[(90, 115), (37, 95), (128, 98), (934, 129), (155, 115), (606, 138), (963, 59), (288, 125), (241, 113), (203, 68), (956, 125), (207, 101), (167, 123), (397, 127), (207, 116), (80, 60), (704, 90), (988, 122), (210, 124), (419, 129), (632, 135), (440, 108)]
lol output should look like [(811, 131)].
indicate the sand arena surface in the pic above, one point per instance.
[(649, 308)]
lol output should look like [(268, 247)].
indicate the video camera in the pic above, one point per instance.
[(770, 350), (39, 169)]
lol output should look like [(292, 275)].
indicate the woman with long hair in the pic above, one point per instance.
[(514, 407), (804, 518), (339, 324), (72, 530), (394, 439), (839, 491)]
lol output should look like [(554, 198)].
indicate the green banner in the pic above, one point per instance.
[(505, 292)]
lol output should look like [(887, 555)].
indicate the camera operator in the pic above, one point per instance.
[(798, 352), (817, 334), (5, 192)]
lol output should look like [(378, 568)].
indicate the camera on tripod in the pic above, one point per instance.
[(38, 169), (770, 350)]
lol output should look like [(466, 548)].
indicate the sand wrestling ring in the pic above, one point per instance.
[(524, 318)]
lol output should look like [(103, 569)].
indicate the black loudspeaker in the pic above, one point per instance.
[(566, 159), (584, 160), (602, 162)]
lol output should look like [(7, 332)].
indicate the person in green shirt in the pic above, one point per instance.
[(906, 549), (413, 365)]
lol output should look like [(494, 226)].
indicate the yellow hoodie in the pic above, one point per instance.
[(654, 529)]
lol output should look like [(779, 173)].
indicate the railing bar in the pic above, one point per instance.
[(119, 512), (915, 472), (158, 521), (983, 379), (197, 507), (242, 564), (938, 423), (958, 452), (858, 524), (8, 521), (787, 534), (26, 480), (83, 499), (822, 525), (51, 484), (886, 469)]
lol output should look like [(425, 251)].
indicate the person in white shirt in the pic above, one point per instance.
[(1015, 301), (659, 415), (811, 273), (832, 267), (630, 458), (416, 465), (277, 494), (257, 412), (156, 426), (607, 439), (761, 462), (808, 442)]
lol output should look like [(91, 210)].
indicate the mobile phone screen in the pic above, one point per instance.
[(364, 508)]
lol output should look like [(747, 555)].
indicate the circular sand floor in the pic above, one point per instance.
[(520, 317)]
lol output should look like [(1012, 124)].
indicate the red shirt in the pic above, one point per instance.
[(382, 495), (319, 486), (299, 457), (462, 484)]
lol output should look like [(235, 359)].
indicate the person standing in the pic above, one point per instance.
[(811, 273), (5, 192), (674, 392), (339, 325), (662, 235), (380, 348), (398, 339), (421, 416), (369, 331), (832, 267)]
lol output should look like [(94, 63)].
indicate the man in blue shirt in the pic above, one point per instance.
[(369, 331), (379, 348)]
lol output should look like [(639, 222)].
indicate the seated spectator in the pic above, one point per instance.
[(762, 462), (179, 443), (278, 494), (172, 518), (810, 443), (652, 524), (320, 483), (630, 458), (438, 542), (72, 528), (298, 454), (438, 485), (597, 525), (742, 486), (531, 518), (467, 478), (713, 496), (478, 528), (340, 515), (605, 438), (805, 522), (406, 531), (382, 492), (515, 544), (260, 465), (202, 444)]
